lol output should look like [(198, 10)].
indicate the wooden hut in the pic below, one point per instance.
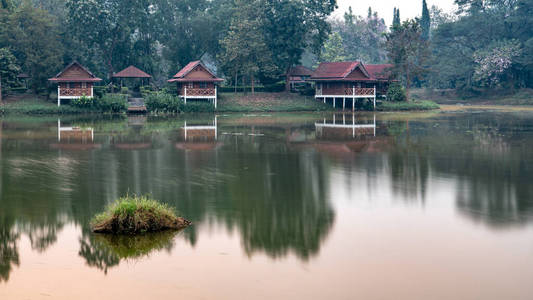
[(132, 72), (350, 80), (196, 81), (296, 77), (74, 82)]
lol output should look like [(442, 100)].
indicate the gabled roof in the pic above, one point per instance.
[(340, 71), (299, 71), (86, 77), (131, 72), (182, 74)]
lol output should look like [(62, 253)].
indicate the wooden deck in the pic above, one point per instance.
[(136, 105)]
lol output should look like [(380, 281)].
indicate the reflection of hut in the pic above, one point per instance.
[(198, 137), (74, 138), (344, 129)]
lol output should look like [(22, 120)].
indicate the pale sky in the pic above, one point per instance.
[(408, 8)]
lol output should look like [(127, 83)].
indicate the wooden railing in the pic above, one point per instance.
[(200, 92), (359, 91), (74, 92)]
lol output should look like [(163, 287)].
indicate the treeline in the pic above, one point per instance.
[(483, 44), (243, 38)]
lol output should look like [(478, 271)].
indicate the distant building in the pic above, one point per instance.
[(196, 81), (74, 82), (350, 81), (297, 76)]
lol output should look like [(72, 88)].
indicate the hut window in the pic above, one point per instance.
[(68, 85), (83, 85), (203, 85), (190, 85)]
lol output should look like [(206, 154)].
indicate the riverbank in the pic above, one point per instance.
[(484, 97)]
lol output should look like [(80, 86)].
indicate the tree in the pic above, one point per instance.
[(33, 38), (362, 37), (425, 22), (494, 61), (333, 49), (8, 70), (244, 49), (396, 18), (408, 52)]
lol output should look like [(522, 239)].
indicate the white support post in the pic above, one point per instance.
[(353, 125), (215, 97), (324, 100), (343, 102), (92, 95), (333, 102), (374, 97), (58, 95), (185, 97)]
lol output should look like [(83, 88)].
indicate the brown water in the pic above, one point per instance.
[(385, 206)]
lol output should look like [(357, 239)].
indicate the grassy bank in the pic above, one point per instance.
[(39, 107), (478, 97), (408, 106), (268, 102)]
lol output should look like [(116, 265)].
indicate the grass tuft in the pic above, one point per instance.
[(136, 214)]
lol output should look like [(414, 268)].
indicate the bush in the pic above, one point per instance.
[(197, 107), (99, 91), (124, 90), (396, 93), (162, 102), (115, 103), (82, 102), (307, 91)]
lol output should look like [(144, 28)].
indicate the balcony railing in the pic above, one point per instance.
[(74, 92), (342, 92), (208, 92)]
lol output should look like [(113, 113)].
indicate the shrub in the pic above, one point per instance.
[(83, 102), (124, 90), (162, 102), (115, 103), (307, 91), (99, 91), (396, 93), (197, 107)]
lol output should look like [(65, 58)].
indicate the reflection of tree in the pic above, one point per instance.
[(9, 255), (104, 251)]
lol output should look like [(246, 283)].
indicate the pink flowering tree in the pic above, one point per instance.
[(494, 61)]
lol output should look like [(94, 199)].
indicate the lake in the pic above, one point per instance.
[(284, 206)]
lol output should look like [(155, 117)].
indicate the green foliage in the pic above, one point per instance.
[(33, 37), (406, 106), (197, 107), (361, 37), (163, 102), (114, 103), (124, 90), (425, 21), (333, 49), (396, 22), (8, 70), (408, 52), (83, 102), (99, 91), (396, 93)]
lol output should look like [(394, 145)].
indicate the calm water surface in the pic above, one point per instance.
[(284, 206)]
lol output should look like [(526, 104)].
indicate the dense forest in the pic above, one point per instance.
[(483, 44)]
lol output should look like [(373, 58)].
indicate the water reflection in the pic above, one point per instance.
[(104, 251), (267, 179)]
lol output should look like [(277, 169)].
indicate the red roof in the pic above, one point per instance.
[(340, 71), (131, 72), (75, 72), (181, 75)]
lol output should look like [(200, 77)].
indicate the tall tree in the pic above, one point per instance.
[(8, 70), (396, 18), (408, 52), (244, 50), (33, 37), (425, 21), (333, 49)]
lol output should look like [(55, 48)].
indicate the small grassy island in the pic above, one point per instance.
[(136, 215)]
